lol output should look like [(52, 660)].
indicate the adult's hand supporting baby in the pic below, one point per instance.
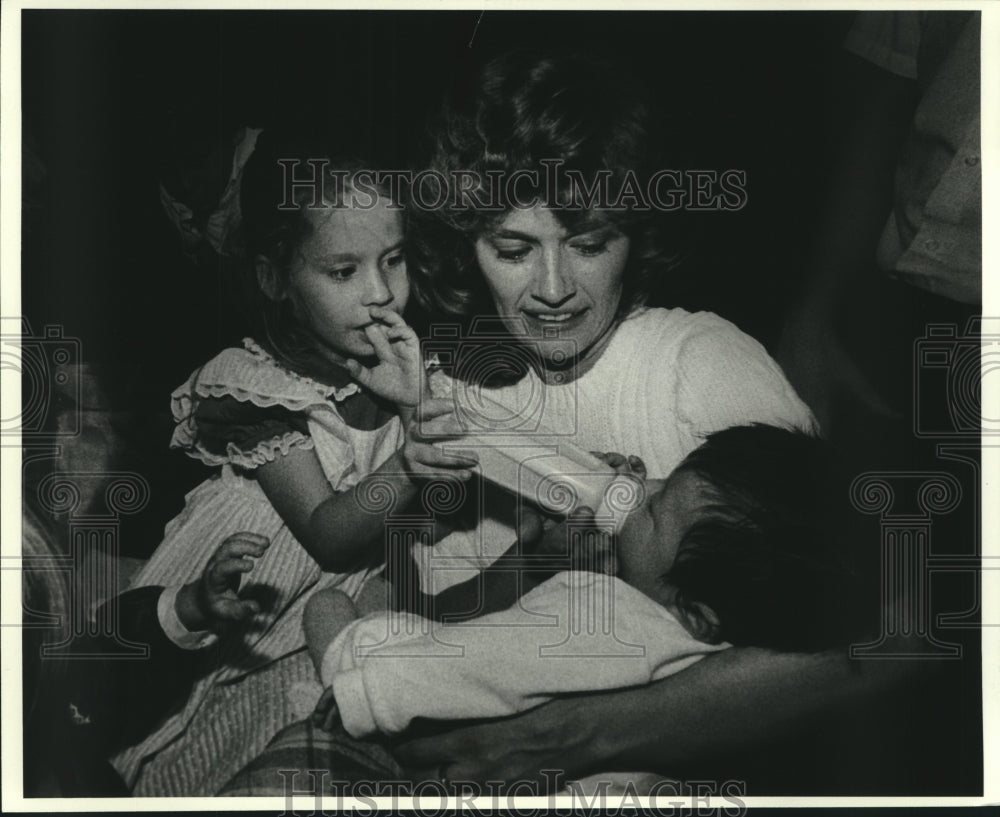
[(730, 700)]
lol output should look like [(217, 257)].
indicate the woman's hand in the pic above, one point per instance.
[(398, 373), (632, 466), (213, 598), (733, 700), (543, 745), (576, 543)]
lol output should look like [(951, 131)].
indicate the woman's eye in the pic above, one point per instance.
[(591, 248), (394, 261), (342, 273), (512, 253)]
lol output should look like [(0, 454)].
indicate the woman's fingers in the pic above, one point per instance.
[(615, 460), (637, 466), (478, 753), (582, 515), (623, 465)]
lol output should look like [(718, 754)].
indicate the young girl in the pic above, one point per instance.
[(321, 397)]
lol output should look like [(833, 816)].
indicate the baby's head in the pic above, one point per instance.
[(321, 254), (741, 542)]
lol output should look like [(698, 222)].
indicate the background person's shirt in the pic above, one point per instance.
[(933, 237)]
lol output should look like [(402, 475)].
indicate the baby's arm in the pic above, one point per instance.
[(328, 612), (386, 671)]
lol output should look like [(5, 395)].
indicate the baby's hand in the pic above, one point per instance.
[(213, 598), (397, 373), (325, 714)]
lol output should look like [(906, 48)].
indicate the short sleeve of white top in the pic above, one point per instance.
[(933, 237)]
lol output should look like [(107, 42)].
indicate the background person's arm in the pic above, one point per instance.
[(877, 107)]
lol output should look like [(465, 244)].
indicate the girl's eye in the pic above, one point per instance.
[(342, 273), (394, 261), (591, 248), (512, 253)]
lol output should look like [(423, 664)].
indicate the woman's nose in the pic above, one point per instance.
[(377, 292), (554, 282)]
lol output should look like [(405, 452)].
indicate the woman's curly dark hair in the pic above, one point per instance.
[(528, 108)]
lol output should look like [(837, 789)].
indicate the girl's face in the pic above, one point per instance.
[(565, 288), (352, 261)]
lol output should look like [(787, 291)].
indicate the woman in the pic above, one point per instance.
[(579, 355), (650, 382)]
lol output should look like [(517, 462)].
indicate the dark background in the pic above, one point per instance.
[(112, 98), (109, 96), (101, 89)]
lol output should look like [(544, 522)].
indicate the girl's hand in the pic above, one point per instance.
[(213, 598), (398, 373), (429, 424)]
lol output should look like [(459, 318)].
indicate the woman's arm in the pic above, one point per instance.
[(730, 700)]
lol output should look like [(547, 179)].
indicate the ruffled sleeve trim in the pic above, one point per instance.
[(185, 437), (252, 376)]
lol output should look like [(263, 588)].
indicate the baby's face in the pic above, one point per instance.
[(649, 539)]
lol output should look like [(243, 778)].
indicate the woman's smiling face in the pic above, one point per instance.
[(563, 287)]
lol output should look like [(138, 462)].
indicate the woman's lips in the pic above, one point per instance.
[(561, 319)]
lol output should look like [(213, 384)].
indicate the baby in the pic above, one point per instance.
[(737, 546)]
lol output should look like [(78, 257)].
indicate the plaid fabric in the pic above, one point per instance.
[(305, 758)]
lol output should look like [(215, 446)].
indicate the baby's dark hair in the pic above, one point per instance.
[(766, 553)]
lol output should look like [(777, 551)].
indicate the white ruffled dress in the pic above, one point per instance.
[(236, 708)]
